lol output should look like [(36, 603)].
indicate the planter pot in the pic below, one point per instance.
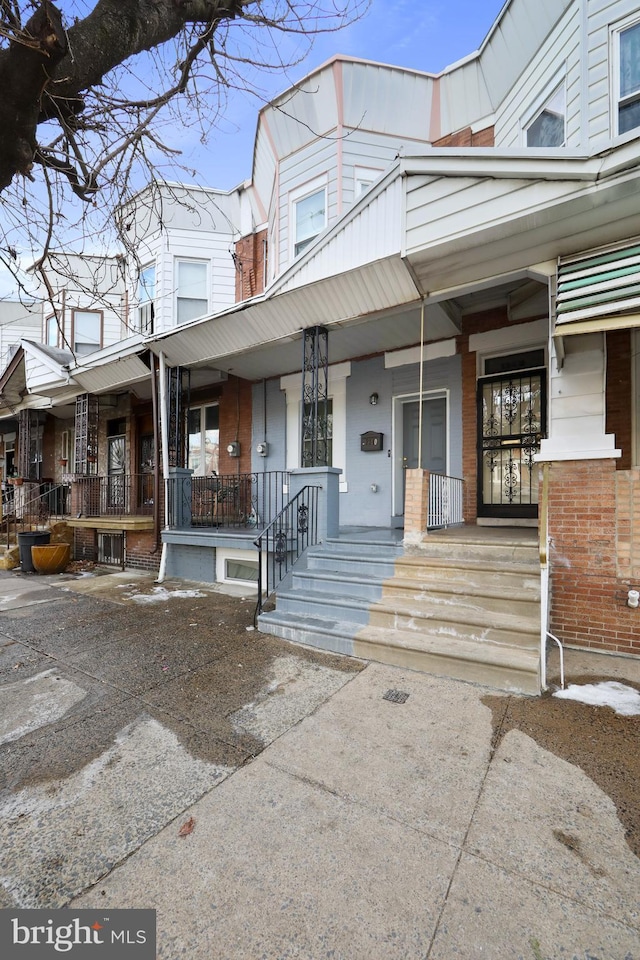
[(51, 557)]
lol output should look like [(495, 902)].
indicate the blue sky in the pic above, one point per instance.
[(420, 34)]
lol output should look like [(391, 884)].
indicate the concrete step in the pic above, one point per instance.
[(450, 617), (506, 550), (378, 565), (486, 570), (338, 583), (519, 599), (507, 668)]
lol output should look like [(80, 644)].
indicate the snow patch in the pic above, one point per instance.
[(623, 699), (161, 595)]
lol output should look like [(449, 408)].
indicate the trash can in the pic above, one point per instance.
[(25, 542)]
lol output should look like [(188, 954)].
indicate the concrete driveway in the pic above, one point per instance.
[(271, 802)]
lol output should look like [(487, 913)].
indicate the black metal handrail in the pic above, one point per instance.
[(20, 509), (284, 540)]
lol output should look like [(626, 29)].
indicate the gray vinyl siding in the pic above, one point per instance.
[(275, 431), (442, 374)]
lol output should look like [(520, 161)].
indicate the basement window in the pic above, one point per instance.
[(111, 549)]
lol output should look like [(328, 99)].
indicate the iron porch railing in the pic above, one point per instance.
[(243, 500), (121, 495), (23, 507), (284, 540)]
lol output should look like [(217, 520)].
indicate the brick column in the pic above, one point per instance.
[(416, 505)]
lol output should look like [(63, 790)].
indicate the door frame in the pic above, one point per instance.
[(506, 512), (397, 440)]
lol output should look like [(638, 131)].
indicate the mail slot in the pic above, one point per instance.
[(371, 442)]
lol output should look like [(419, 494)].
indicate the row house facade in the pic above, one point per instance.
[(423, 304)]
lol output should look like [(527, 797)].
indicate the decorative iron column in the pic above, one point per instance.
[(178, 399), (86, 433), (314, 448)]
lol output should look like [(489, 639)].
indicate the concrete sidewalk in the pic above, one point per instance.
[(367, 829)]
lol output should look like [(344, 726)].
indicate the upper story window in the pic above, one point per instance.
[(546, 128), (363, 178), (191, 283), (627, 77), (51, 331), (309, 214), (87, 331), (146, 295)]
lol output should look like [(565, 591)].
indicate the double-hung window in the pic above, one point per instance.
[(192, 295), (626, 45), (87, 331), (309, 215)]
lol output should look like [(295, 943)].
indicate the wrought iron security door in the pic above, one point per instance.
[(511, 420)]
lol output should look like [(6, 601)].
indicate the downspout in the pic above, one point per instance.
[(164, 433), (156, 456), (545, 541)]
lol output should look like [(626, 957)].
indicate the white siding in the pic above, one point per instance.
[(439, 209), (388, 100), (577, 403), (304, 166), (371, 235), (373, 151), (558, 57), (18, 321), (464, 97), (603, 14)]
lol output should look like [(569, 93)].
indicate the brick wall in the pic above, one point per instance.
[(235, 424), (619, 398), (476, 323), (416, 503), (466, 138), (588, 523), (139, 551), (250, 258), (85, 544)]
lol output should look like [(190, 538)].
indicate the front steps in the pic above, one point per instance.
[(455, 607)]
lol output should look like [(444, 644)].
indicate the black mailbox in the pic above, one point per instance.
[(371, 442)]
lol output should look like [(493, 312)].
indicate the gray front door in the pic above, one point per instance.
[(434, 435)]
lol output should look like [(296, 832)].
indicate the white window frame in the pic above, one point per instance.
[(614, 45), (556, 84), (95, 347), (363, 178), (202, 408), (308, 189), (48, 320), (146, 305), (224, 555), (176, 273), (337, 391)]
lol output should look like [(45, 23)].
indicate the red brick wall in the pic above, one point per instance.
[(139, 553), (235, 424), (466, 138), (476, 323), (619, 399), (85, 544), (250, 261), (589, 596)]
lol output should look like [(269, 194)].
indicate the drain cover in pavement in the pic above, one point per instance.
[(396, 696)]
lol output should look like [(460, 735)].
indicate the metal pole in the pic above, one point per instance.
[(421, 386)]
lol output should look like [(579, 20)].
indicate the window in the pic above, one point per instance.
[(324, 444), (547, 127), (146, 294), (363, 178), (87, 331), (193, 300), (51, 331), (627, 47), (310, 218), (204, 439)]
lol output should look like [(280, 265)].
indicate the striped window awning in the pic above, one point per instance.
[(598, 292)]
